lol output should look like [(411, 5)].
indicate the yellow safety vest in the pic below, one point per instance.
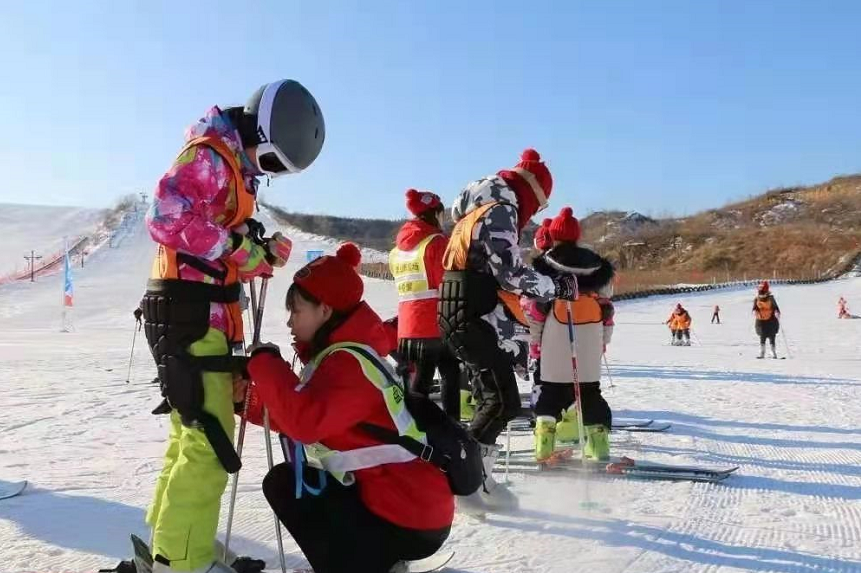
[(341, 464), (408, 269)]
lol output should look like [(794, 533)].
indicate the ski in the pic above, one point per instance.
[(8, 490), (525, 426), (619, 466), (633, 424), (143, 557), (433, 563), (656, 428), (631, 473)]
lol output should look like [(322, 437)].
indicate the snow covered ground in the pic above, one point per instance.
[(41, 228), (86, 441)]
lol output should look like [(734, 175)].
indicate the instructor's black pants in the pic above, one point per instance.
[(767, 330), (492, 374), (430, 355), (337, 533)]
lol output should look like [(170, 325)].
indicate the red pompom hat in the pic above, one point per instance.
[(542, 240), (565, 227), (334, 280), (419, 202), (532, 182)]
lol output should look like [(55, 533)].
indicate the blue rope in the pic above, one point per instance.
[(298, 473)]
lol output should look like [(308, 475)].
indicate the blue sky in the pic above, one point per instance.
[(663, 107)]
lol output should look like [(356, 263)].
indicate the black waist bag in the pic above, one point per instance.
[(449, 447)]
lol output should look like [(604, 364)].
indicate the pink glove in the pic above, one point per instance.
[(279, 248), (250, 259), (530, 308), (534, 350)]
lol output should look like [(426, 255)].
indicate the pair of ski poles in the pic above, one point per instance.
[(257, 306)]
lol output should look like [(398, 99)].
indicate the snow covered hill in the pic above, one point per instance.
[(40, 228), (91, 450)]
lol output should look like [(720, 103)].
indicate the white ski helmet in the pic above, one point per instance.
[(290, 130)]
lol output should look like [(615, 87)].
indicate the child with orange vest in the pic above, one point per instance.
[(767, 315), (416, 264), (592, 318), (207, 246), (680, 326)]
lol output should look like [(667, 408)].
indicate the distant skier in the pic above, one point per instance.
[(680, 325), (716, 315), (843, 309), (767, 315)]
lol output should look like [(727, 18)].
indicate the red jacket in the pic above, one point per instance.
[(417, 318), (414, 494)]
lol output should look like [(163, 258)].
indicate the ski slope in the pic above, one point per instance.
[(89, 447), (40, 228)]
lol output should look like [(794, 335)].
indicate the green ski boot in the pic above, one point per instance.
[(467, 406), (545, 437), (567, 430), (597, 443)]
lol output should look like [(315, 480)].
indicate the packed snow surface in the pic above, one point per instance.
[(87, 443)]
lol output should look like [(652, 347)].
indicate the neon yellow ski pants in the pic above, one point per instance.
[(187, 500)]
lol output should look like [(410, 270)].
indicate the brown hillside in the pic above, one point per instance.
[(792, 233)]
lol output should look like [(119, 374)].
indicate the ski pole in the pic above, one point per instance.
[(786, 341), (577, 394), (240, 442), (607, 366), (243, 423), (697, 338), (257, 306), (138, 313), (507, 449)]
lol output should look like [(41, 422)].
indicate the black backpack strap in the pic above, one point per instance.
[(200, 266), (425, 452), (422, 451)]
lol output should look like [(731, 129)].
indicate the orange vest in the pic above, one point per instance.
[(457, 254), (584, 310), (239, 207), (764, 309)]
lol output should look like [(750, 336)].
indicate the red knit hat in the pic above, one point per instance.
[(334, 280), (565, 227), (532, 182), (419, 202), (542, 240), (531, 162)]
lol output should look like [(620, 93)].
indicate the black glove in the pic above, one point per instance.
[(248, 565), (256, 231), (566, 287)]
